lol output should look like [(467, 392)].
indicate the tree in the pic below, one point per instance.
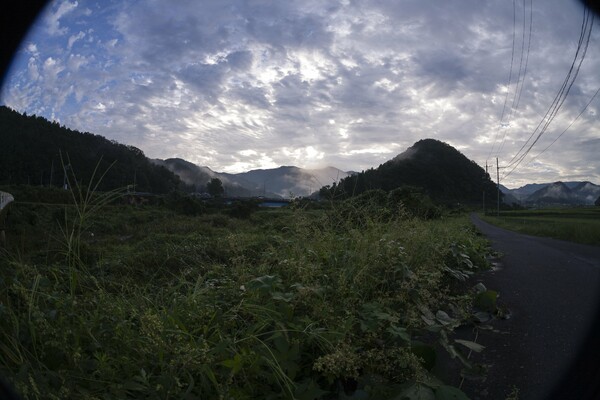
[(215, 187), (31, 149)]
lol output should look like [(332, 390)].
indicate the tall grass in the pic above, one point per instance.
[(87, 203), (296, 304)]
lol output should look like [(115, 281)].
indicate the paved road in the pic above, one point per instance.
[(547, 348)]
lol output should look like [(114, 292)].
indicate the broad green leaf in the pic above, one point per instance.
[(471, 345), (287, 297), (444, 318), (384, 316), (482, 316), (426, 312), (455, 353), (265, 282), (480, 287), (399, 332)]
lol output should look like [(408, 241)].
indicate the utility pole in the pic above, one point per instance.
[(485, 178), (51, 171), (65, 180), (498, 177)]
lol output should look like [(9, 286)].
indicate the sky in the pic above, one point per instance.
[(237, 85)]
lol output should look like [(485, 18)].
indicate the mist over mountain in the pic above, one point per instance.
[(196, 177), (285, 181), (556, 193), (290, 181)]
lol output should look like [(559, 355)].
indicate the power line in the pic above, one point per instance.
[(584, 39), (528, 46), (520, 78), (567, 128), (512, 57), (558, 100)]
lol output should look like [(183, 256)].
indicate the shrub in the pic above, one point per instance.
[(243, 209)]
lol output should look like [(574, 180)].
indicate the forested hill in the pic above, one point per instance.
[(31, 148), (443, 173)]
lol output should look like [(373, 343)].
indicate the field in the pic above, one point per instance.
[(581, 225), (181, 300)]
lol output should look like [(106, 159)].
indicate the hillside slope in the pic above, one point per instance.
[(440, 170), (31, 154)]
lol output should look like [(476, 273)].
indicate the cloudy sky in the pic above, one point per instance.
[(237, 85)]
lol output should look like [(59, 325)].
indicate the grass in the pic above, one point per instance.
[(581, 225), (294, 303)]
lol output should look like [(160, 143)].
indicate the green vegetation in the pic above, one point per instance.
[(157, 301), (34, 151), (443, 173), (581, 225), (215, 187)]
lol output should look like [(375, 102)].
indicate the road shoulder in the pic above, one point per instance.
[(551, 290)]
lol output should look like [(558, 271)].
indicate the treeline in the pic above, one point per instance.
[(442, 172), (31, 153)]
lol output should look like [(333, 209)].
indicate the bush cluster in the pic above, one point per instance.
[(279, 304)]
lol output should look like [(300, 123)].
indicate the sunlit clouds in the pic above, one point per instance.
[(237, 85)]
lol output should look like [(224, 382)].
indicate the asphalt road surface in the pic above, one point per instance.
[(549, 347)]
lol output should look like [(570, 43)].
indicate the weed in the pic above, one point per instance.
[(297, 304)]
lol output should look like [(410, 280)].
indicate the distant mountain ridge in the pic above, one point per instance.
[(556, 193), (31, 147), (284, 182)]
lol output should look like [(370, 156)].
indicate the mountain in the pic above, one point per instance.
[(282, 182), (525, 191), (557, 193), (509, 197), (31, 149), (554, 193), (196, 177), (289, 181), (443, 172), (587, 191)]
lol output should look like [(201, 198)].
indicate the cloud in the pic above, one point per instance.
[(74, 38), (32, 49), (51, 68), (32, 69), (236, 84), (239, 60), (76, 61), (54, 16)]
